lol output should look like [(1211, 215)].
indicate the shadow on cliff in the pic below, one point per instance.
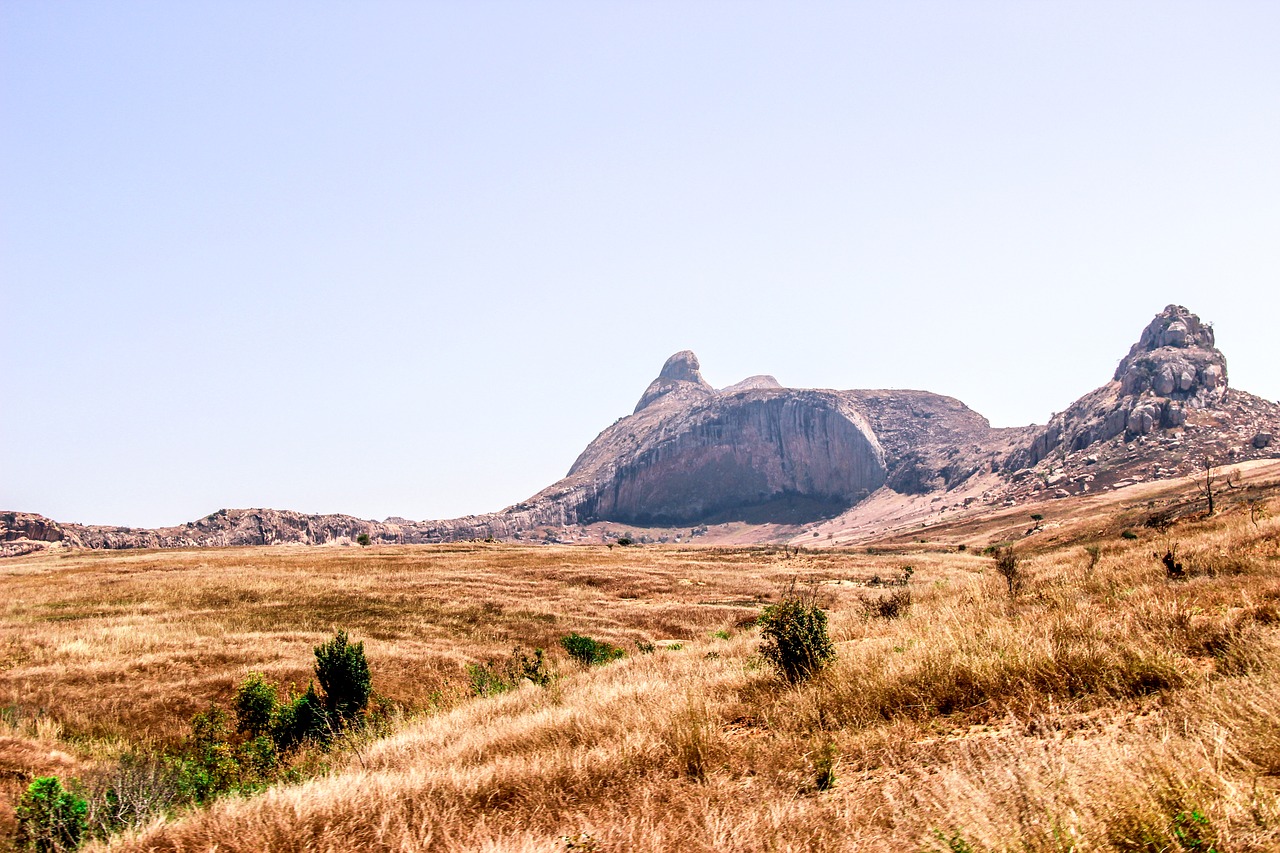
[(787, 508)]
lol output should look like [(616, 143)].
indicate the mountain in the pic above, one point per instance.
[(773, 461)]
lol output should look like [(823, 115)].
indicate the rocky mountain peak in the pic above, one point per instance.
[(1172, 370), (679, 373), (1175, 360), (682, 367), (1175, 326)]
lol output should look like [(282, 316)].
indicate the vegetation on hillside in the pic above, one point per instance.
[(1096, 701)]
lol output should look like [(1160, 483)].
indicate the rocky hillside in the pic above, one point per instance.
[(757, 453)]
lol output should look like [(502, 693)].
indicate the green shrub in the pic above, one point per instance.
[(299, 719), (254, 705), (211, 766), (501, 676), (486, 679), (363, 540), (589, 652), (50, 818), (795, 636), (343, 674), (824, 760)]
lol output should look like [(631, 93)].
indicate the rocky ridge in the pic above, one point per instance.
[(758, 453)]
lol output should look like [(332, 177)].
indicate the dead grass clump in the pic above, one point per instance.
[(891, 606), (693, 740)]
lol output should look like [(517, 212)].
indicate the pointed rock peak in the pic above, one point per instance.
[(681, 367), (1175, 361), (1175, 326), (679, 373)]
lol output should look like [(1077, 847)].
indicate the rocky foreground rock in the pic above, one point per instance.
[(759, 453)]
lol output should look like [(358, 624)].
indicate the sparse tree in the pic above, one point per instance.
[(1207, 486), (1257, 511), (1007, 566)]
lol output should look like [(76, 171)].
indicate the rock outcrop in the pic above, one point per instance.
[(680, 378), (760, 453), (1172, 369)]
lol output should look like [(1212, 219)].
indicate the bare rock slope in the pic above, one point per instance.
[(759, 453)]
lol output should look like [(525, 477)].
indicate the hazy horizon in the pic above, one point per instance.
[(397, 259)]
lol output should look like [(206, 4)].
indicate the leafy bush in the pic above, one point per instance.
[(500, 676), (795, 636), (363, 540), (589, 652), (299, 719), (50, 818), (343, 674), (254, 705), (211, 766)]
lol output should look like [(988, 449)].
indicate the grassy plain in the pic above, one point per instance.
[(1106, 706)]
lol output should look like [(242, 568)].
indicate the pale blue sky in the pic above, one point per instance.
[(409, 258)]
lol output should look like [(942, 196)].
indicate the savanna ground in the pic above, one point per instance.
[(1099, 705)]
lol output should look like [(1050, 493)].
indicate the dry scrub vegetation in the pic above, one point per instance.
[(1105, 706)]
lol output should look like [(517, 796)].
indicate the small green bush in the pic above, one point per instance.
[(589, 652), (824, 760), (343, 674), (501, 676), (211, 766), (300, 719), (363, 540), (50, 818), (795, 636), (254, 705)]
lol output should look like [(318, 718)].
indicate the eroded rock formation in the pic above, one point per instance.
[(1174, 367), (761, 453)]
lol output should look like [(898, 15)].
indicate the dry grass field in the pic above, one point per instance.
[(1104, 706)]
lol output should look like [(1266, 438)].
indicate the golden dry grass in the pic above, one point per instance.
[(1107, 707)]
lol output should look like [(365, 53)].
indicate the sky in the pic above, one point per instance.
[(409, 258)]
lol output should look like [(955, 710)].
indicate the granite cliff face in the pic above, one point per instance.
[(760, 453)]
